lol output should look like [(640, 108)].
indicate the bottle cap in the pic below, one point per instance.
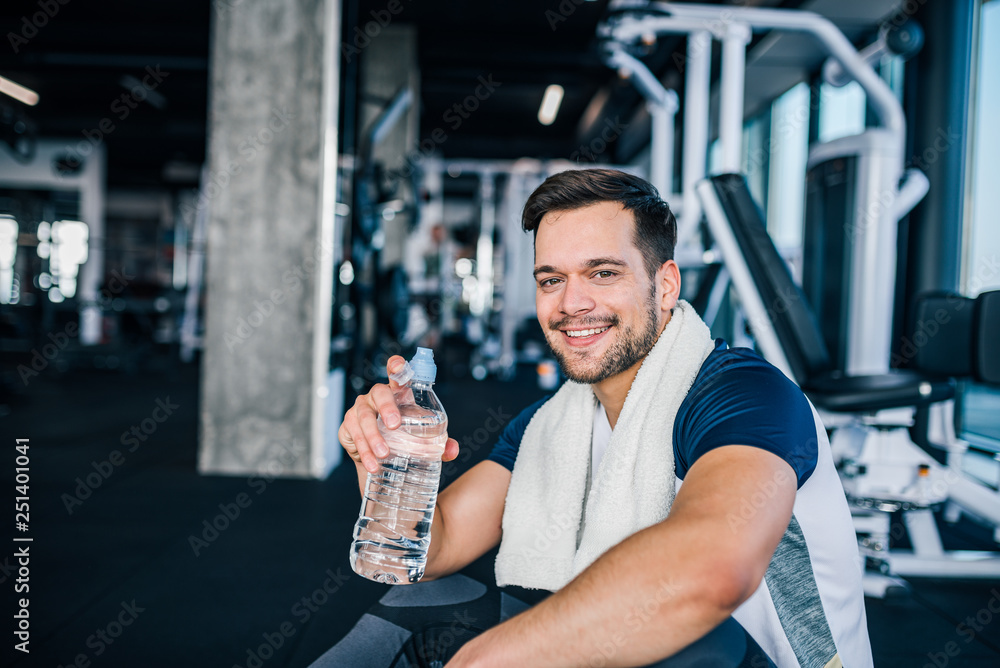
[(423, 365)]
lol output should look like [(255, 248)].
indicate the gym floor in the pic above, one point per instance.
[(127, 569)]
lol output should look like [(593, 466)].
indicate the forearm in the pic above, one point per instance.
[(467, 519), (437, 565), (645, 599), (664, 587)]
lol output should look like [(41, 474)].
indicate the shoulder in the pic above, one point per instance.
[(738, 398), (515, 428), (507, 446), (728, 366), (733, 374)]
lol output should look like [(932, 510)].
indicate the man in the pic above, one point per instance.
[(674, 484)]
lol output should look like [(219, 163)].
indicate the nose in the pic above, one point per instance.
[(576, 297)]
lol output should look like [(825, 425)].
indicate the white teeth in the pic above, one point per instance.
[(586, 332)]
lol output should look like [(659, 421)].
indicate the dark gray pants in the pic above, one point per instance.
[(424, 625)]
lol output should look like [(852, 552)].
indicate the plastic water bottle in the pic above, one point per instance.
[(393, 530)]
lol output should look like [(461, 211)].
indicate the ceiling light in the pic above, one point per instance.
[(550, 104), (18, 92)]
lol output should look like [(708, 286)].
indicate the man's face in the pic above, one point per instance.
[(600, 311)]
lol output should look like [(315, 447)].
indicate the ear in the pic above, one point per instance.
[(668, 278)]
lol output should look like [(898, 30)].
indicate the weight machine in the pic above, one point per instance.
[(869, 406)]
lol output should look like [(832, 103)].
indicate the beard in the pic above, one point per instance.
[(631, 346)]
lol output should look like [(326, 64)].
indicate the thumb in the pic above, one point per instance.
[(450, 450), (394, 365)]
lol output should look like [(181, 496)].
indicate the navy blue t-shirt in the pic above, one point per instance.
[(737, 398)]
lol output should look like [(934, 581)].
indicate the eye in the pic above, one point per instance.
[(547, 282), (605, 273)]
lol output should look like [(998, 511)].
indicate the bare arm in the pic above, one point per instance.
[(468, 512), (467, 519), (664, 587)]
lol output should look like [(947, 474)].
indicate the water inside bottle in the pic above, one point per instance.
[(392, 534)]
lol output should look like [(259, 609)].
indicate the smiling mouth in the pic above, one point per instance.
[(580, 333)]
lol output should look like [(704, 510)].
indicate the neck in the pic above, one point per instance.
[(611, 392)]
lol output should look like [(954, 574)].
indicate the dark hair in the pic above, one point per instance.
[(655, 232)]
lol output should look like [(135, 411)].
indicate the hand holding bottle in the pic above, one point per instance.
[(359, 434)]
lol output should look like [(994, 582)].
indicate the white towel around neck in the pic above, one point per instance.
[(545, 542)]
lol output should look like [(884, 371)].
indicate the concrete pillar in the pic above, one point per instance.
[(270, 192)]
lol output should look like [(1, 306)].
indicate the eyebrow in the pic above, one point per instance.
[(589, 264)]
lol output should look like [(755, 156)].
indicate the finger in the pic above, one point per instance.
[(450, 450), (368, 426), (361, 444), (394, 365), (382, 402), (365, 431), (344, 436), (369, 461)]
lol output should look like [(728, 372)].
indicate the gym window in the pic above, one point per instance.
[(980, 405), (787, 169), (841, 111)]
